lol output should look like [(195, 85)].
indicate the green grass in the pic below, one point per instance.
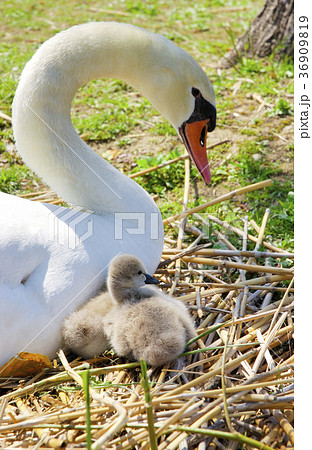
[(282, 108), (86, 389), (107, 112), (168, 178), (14, 179), (113, 114), (251, 165)]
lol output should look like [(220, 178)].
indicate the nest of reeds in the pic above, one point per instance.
[(233, 386)]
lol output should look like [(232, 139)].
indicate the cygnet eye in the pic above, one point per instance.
[(140, 272)]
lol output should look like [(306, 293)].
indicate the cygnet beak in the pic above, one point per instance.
[(150, 280)]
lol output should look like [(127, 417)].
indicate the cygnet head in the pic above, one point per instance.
[(127, 273)]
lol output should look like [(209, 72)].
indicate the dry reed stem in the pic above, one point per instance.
[(230, 195), (182, 225), (201, 250), (226, 288), (5, 117), (284, 423), (261, 232), (231, 264), (172, 161), (103, 398), (42, 433), (212, 411), (223, 384), (240, 233)]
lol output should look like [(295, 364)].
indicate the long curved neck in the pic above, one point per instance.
[(44, 134)]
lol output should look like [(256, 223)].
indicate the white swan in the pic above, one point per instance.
[(53, 259)]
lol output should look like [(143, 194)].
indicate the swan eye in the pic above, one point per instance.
[(196, 92), (140, 272)]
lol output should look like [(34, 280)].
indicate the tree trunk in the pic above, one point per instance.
[(272, 31)]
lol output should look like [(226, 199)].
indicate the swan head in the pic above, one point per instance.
[(165, 74), (128, 272), (181, 91)]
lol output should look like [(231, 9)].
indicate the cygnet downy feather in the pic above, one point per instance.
[(146, 323), (155, 329), (83, 331)]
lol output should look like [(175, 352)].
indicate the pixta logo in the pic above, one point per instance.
[(70, 227), (137, 223)]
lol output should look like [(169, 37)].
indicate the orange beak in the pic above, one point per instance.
[(194, 137)]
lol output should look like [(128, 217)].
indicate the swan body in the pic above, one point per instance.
[(138, 321), (53, 259)]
